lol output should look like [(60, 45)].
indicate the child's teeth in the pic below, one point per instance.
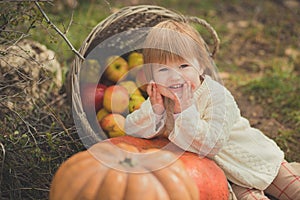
[(176, 86)]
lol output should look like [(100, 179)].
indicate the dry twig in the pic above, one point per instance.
[(58, 31)]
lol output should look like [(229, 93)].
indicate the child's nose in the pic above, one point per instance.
[(174, 74)]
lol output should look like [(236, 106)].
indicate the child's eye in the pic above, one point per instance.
[(183, 66), (163, 69)]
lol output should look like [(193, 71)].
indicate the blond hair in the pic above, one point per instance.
[(170, 41), (177, 41)]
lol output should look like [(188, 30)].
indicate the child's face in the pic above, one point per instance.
[(173, 75)]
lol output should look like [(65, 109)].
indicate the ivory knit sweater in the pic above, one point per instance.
[(214, 127)]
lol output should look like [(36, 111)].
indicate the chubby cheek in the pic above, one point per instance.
[(159, 81), (195, 84)]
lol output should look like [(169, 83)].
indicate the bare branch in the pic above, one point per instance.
[(58, 31)]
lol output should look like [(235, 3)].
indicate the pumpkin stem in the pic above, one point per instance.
[(127, 161)]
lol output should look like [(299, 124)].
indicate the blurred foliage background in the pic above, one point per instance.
[(259, 60)]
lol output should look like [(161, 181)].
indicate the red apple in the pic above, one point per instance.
[(92, 96), (113, 124), (116, 99)]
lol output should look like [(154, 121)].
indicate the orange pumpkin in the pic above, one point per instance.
[(126, 168), (209, 177)]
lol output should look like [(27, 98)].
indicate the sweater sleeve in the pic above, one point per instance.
[(144, 123), (205, 132)]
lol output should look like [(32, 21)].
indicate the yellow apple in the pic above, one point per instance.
[(116, 99), (116, 68), (113, 124), (90, 71), (131, 87), (112, 134), (135, 59), (101, 114), (135, 102)]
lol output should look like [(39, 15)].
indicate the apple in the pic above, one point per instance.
[(141, 80), (116, 99), (135, 102), (116, 68), (113, 124), (101, 114), (131, 87), (92, 96), (90, 71), (135, 59)]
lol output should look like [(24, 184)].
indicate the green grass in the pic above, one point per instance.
[(75, 24), (280, 92)]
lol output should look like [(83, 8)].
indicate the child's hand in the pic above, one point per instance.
[(186, 99), (156, 98)]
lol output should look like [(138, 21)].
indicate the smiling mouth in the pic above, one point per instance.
[(176, 86)]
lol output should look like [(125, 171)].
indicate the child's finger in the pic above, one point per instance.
[(154, 91), (150, 88), (167, 93)]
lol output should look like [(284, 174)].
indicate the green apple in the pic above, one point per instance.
[(116, 68), (131, 87), (135, 59), (101, 114), (135, 102)]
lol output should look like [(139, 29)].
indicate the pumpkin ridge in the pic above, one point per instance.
[(93, 181), (172, 183), (61, 174), (81, 180), (80, 157), (140, 186), (180, 170), (161, 192), (112, 178)]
